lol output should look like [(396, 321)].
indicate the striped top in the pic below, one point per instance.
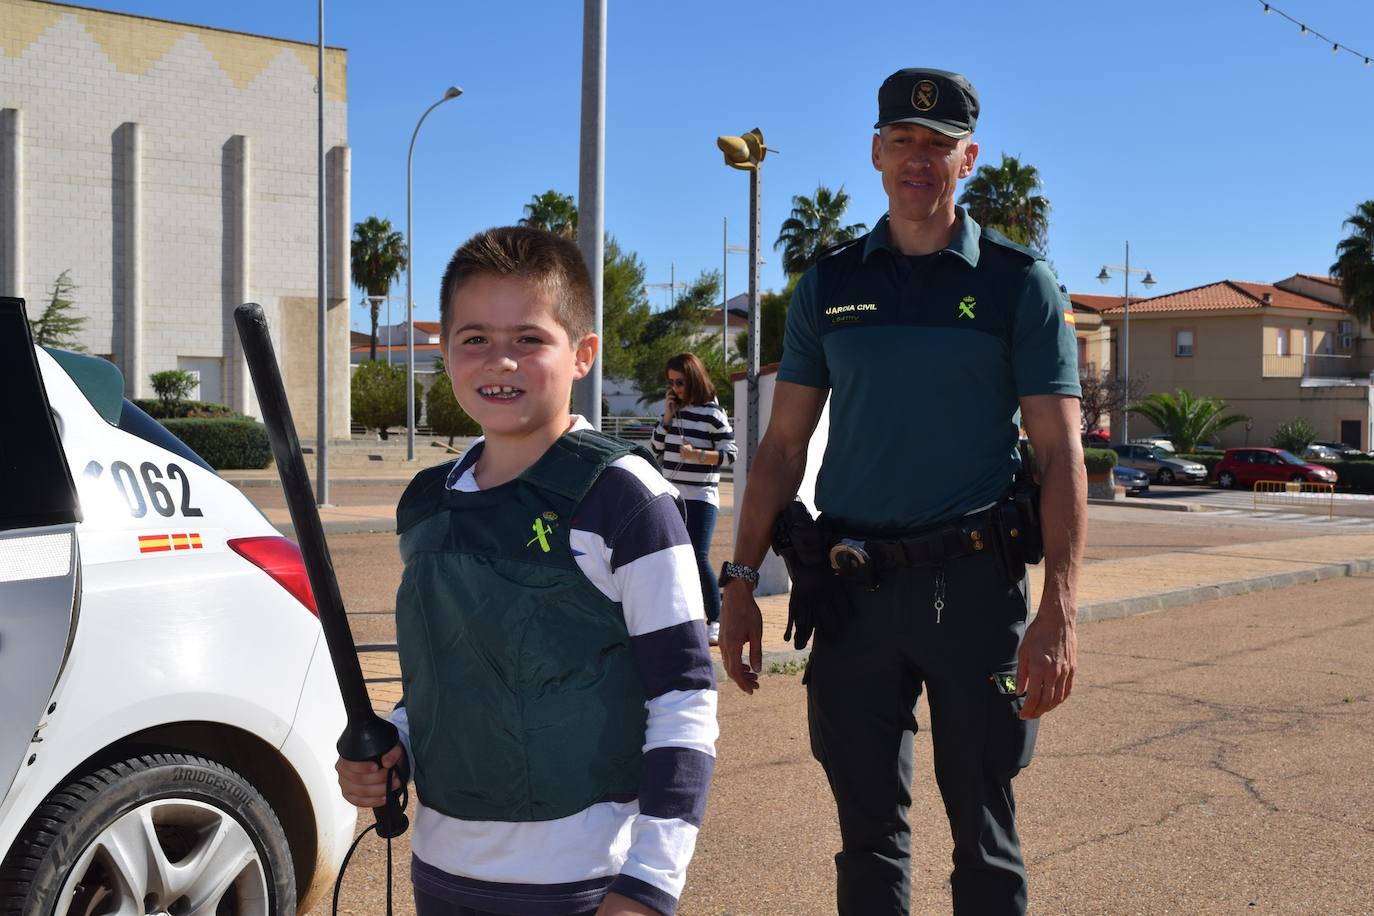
[(629, 539), (702, 426)]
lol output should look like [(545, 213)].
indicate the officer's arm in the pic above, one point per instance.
[(1049, 650), (778, 467)]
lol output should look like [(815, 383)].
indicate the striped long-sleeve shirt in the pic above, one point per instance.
[(702, 426), (629, 539)]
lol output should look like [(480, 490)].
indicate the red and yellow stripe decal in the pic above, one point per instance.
[(161, 543), (1068, 317)]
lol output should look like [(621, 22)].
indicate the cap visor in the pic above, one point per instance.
[(949, 130)]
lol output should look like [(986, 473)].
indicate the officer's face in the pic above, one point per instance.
[(920, 169)]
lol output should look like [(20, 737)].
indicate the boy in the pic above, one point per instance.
[(550, 598)]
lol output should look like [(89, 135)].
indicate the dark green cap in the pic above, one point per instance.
[(937, 99)]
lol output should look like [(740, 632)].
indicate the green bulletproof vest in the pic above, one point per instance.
[(520, 685)]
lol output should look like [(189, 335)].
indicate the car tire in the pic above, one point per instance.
[(1226, 480), (1165, 476), (153, 810)]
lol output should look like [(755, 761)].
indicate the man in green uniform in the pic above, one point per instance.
[(929, 334)]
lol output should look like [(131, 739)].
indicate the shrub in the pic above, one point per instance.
[(1099, 460), (378, 398), (172, 385), (160, 411), (226, 443), (445, 415), (1295, 436)]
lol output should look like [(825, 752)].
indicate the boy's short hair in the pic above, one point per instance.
[(550, 262)]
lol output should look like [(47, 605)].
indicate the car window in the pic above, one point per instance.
[(1243, 458), (137, 423), (1160, 454), (1284, 457), (99, 380)]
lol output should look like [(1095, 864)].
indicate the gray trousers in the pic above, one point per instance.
[(868, 668)]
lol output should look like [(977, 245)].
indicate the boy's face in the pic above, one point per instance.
[(511, 363)]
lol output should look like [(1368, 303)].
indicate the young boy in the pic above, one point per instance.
[(559, 716)]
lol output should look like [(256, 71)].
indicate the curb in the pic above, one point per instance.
[(351, 526), (257, 483), (1129, 503)]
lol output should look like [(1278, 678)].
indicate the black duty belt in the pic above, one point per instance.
[(860, 558)]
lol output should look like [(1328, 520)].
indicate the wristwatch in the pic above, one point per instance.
[(738, 571)]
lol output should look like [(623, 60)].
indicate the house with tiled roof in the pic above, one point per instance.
[(1272, 351)]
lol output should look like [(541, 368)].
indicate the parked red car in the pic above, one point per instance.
[(1241, 467)]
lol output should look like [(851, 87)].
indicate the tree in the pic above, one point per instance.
[(624, 309), (377, 257), (1295, 436), (1104, 394), (1185, 419), (377, 395), (813, 227), (1007, 198), (772, 324), (1354, 265), (445, 415), (171, 387), (59, 326), (671, 331), (553, 212)]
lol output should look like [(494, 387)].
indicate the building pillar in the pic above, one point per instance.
[(130, 141), (12, 202), (240, 276), (338, 165)]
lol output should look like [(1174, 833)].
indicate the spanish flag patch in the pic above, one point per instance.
[(1068, 317), (160, 543)]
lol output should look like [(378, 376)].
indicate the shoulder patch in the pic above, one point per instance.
[(996, 238)]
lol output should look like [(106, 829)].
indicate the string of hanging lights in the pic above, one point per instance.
[(1336, 46)]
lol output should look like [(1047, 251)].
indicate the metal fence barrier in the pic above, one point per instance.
[(1295, 493)]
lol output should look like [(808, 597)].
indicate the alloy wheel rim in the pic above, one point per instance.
[(171, 857)]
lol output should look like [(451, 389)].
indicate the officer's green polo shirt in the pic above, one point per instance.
[(925, 359)]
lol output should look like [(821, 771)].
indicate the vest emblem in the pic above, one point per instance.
[(966, 305), (542, 530)]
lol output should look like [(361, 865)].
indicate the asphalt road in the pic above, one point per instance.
[(1213, 759)]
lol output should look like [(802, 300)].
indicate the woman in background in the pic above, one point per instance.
[(693, 442)]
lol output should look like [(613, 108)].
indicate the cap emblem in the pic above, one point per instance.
[(924, 95)]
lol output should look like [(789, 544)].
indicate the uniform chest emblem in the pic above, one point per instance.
[(966, 305), (542, 530)]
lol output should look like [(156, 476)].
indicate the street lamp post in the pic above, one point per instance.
[(1126, 270), (727, 250), (746, 154), (451, 93)]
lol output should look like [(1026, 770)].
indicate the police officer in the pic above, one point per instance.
[(933, 337)]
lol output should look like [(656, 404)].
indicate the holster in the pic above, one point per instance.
[(799, 540)]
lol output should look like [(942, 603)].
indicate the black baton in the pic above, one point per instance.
[(367, 735)]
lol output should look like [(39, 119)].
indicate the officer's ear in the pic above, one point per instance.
[(877, 141), (970, 157)]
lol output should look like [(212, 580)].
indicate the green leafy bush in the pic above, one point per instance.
[(445, 415), (1295, 435), (172, 385), (226, 443), (378, 396), (160, 411), (1099, 460)]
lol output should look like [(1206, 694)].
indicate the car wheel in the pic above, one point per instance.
[(1226, 479), (1165, 476), (161, 833)]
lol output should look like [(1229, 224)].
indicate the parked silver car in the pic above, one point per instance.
[(1164, 467)]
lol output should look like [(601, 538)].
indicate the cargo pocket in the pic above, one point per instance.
[(1010, 739)]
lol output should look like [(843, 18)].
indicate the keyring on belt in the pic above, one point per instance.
[(848, 554)]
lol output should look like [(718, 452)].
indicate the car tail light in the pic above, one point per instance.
[(280, 559)]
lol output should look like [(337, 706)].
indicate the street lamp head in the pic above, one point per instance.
[(452, 92), (744, 152), (1148, 281), (1104, 276)]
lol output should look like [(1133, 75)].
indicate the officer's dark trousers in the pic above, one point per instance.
[(863, 682)]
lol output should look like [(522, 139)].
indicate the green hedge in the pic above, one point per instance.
[(1099, 460), (155, 409), (226, 443)]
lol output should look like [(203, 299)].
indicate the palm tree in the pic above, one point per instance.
[(377, 257), (1354, 265), (1186, 420), (813, 227), (552, 211), (1007, 198)]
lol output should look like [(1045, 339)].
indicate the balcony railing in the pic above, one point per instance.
[(1317, 365)]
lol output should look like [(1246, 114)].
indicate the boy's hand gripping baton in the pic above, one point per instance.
[(367, 736)]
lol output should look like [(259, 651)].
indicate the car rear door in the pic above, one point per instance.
[(39, 559)]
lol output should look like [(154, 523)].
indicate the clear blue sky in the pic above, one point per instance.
[(1216, 139)]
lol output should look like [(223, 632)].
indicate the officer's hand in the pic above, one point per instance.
[(1046, 662), (741, 622), (364, 782)]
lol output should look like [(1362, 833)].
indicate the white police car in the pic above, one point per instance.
[(167, 706)]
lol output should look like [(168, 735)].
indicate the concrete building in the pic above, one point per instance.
[(172, 170)]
